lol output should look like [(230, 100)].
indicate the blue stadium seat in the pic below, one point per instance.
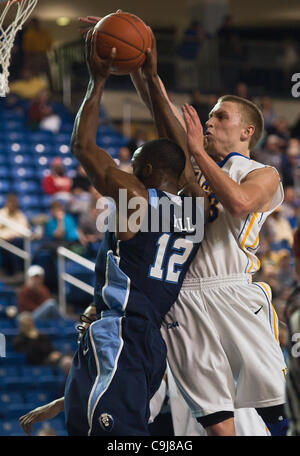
[(24, 173), (22, 160), (14, 359), (30, 202), (18, 409), (8, 371), (7, 399), (10, 427), (37, 397), (4, 160), (26, 187)]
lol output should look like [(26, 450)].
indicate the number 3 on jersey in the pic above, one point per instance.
[(157, 271)]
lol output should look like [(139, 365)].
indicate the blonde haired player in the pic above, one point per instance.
[(224, 350)]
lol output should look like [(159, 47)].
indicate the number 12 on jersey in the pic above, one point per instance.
[(171, 271)]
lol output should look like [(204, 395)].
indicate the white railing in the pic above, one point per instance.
[(63, 276), (24, 233)]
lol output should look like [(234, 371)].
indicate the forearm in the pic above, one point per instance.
[(167, 122), (140, 85), (228, 192), (87, 119)]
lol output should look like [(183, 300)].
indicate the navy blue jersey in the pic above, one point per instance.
[(143, 276)]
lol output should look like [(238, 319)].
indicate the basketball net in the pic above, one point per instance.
[(7, 35)]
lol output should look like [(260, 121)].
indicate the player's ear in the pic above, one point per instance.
[(147, 170), (247, 132)]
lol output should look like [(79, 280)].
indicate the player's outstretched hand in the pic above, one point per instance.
[(150, 66), (46, 412), (90, 21), (99, 68), (194, 130)]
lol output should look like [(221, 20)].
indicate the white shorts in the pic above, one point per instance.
[(223, 348)]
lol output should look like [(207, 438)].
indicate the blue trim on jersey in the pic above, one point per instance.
[(222, 163), (257, 285), (106, 340), (153, 197), (115, 290), (260, 217), (243, 226)]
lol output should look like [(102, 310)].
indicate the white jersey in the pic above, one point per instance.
[(230, 243)]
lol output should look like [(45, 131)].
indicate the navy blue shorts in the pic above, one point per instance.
[(116, 370)]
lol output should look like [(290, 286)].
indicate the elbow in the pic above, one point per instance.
[(239, 208)]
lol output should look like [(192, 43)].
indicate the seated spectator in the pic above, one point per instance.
[(28, 86), (281, 231), (40, 114), (289, 162), (271, 153), (267, 111), (80, 193), (138, 139), (280, 128), (12, 263), (124, 160), (90, 233), (81, 182), (36, 346), (289, 206), (57, 183), (35, 297), (203, 104), (193, 38), (242, 90), (61, 226)]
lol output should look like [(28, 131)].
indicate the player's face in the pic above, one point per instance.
[(224, 129)]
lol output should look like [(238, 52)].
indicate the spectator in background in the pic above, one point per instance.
[(37, 42), (289, 206), (280, 128), (57, 183), (61, 227), (267, 111), (81, 197), (138, 139), (40, 114), (281, 232), (36, 346), (35, 297), (289, 163), (270, 154), (28, 86), (80, 181), (124, 160), (202, 104), (242, 90), (89, 231), (193, 38), (10, 262)]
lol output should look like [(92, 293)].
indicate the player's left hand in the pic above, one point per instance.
[(46, 412), (99, 68), (150, 66), (90, 21), (194, 129)]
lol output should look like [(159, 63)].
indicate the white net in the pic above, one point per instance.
[(23, 9)]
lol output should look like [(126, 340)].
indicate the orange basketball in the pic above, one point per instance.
[(129, 35)]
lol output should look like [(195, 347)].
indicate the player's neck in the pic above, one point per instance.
[(244, 152)]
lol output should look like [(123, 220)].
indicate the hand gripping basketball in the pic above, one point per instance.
[(99, 67)]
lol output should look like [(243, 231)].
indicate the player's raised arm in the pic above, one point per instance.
[(253, 194), (100, 167)]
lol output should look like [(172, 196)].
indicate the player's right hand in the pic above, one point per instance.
[(99, 67), (150, 66), (46, 412)]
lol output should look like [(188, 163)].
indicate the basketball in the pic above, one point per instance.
[(129, 35)]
